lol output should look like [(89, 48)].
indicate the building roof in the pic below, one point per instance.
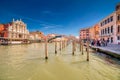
[(84, 29)]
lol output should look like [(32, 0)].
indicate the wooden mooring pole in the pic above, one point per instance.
[(73, 47), (82, 46), (46, 49), (64, 43), (60, 45), (87, 50), (55, 47)]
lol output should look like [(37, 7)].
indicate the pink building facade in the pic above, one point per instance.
[(110, 27)]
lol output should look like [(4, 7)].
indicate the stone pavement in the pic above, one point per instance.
[(115, 48)]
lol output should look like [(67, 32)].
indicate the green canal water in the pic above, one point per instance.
[(26, 62)]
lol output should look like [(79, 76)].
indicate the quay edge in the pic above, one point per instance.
[(108, 52)]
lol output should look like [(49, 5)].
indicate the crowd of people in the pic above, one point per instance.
[(99, 42)]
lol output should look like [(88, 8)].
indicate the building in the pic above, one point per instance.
[(110, 27), (1, 28), (85, 33), (36, 36), (14, 32), (118, 23), (51, 35), (94, 32), (107, 29)]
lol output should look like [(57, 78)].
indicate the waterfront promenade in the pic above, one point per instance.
[(110, 49), (113, 47)]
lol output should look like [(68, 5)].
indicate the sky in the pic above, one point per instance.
[(56, 16)]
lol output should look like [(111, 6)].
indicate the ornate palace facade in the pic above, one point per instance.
[(15, 31)]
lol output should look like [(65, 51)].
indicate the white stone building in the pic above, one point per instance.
[(18, 30)]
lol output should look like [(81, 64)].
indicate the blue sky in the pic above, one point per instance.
[(56, 16)]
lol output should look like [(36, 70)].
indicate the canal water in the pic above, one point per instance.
[(26, 62)]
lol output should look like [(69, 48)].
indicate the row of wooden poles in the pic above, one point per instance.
[(81, 48), (63, 44)]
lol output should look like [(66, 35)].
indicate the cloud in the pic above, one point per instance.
[(46, 12), (51, 26), (51, 13), (46, 27), (41, 23)]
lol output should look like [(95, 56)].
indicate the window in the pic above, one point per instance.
[(108, 20), (105, 21), (118, 17), (111, 29), (101, 32), (111, 39), (111, 18), (118, 37), (108, 30), (108, 40), (118, 28), (105, 31)]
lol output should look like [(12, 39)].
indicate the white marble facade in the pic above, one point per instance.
[(18, 30)]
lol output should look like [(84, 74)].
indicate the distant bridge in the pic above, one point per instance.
[(54, 38)]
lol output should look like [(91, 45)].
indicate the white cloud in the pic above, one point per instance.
[(50, 26), (46, 27), (46, 12)]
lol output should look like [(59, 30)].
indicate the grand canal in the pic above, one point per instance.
[(26, 62)]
